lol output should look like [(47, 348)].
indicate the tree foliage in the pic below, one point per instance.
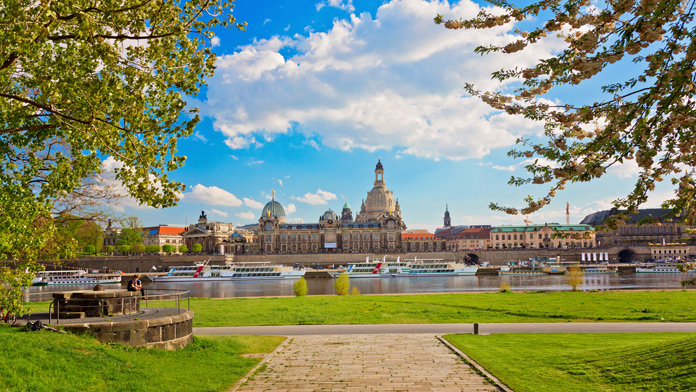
[(81, 80), (183, 248), (196, 248), (167, 248), (342, 284), (300, 287), (152, 248), (130, 237), (648, 116)]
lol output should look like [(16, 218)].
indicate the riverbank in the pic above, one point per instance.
[(511, 307)]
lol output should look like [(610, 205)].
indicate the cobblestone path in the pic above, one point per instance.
[(366, 363)]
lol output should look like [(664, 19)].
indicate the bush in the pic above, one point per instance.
[(168, 248), (300, 287), (89, 249), (138, 248), (109, 249), (197, 248), (574, 277), (504, 287), (124, 248), (354, 291), (152, 249), (342, 284), (183, 248)]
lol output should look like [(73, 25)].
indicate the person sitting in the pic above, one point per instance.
[(135, 284)]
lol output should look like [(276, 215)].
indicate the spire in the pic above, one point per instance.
[(273, 192)]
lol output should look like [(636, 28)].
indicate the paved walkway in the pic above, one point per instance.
[(295, 330), (386, 362)]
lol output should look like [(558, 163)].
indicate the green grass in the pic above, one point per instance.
[(613, 306), (586, 362), (48, 361)]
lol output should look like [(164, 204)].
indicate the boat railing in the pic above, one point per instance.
[(130, 307)]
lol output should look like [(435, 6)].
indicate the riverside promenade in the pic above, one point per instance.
[(391, 357)]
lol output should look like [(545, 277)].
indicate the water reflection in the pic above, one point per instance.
[(411, 285)]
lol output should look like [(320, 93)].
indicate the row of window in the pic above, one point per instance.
[(648, 230)]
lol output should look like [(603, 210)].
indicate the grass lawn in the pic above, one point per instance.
[(49, 361), (618, 306), (586, 362)]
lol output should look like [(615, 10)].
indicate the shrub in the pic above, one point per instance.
[(354, 291), (152, 249), (183, 248), (124, 248), (504, 287), (197, 248), (89, 249), (109, 249), (574, 277), (138, 248), (342, 284), (168, 248), (300, 287)]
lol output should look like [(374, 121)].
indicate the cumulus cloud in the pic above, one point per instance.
[(320, 197), (346, 5), (392, 82), (215, 41), (252, 203), (108, 180), (246, 215), (218, 212), (290, 208), (213, 196)]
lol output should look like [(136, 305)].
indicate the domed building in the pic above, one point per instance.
[(377, 228)]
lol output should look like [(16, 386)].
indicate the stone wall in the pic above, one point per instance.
[(169, 332), (494, 257)]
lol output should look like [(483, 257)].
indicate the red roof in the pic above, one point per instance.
[(418, 236)]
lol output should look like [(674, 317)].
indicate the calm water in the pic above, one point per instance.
[(411, 285)]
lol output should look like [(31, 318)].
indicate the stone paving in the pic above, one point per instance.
[(391, 362)]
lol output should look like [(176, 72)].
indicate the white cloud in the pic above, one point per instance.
[(266, 21), (297, 220), (215, 41), (290, 208), (218, 212), (246, 215), (321, 197), (212, 196), (251, 163), (280, 182), (392, 82), (200, 137), (108, 180), (627, 169), (252, 203), (346, 5)]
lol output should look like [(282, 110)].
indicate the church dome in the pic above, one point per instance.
[(273, 209), (380, 199), (346, 207), (379, 165), (329, 215)]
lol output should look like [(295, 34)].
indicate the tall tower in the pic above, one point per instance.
[(379, 174), (448, 221)]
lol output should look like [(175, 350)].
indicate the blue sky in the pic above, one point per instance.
[(307, 99)]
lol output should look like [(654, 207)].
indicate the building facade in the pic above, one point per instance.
[(376, 228), (422, 241), (657, 229), (211, 235), (551, 235), (163, 235)]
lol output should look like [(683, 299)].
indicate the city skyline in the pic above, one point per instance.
[(312, 94)]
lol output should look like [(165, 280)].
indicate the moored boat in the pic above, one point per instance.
[(70, 277), (408, 268), (659, 269), (203, 272)]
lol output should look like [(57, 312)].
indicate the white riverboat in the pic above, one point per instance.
[(71, 277), (658, 269), (408, 268), (203, 272)]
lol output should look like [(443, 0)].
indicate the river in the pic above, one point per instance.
[(450, 284)]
